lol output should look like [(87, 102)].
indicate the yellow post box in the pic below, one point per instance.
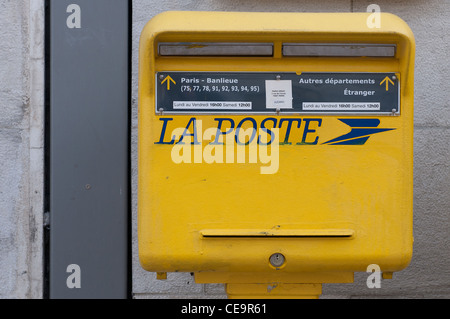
[(275, 149)]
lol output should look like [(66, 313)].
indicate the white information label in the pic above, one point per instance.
[(341, 106), (278, 94), (211, 105)]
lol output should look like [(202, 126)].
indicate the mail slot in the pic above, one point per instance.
[(275, 148)]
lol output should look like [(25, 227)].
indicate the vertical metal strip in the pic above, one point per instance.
[(88, 145)]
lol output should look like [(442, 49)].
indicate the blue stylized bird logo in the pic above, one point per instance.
[(362, 129)]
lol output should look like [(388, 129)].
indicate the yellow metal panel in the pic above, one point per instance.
[(335, 208), (274, 291), (273, 277)]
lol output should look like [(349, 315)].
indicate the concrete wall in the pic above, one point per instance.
[(21, 148)]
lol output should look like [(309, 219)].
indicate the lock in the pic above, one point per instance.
[(277, 260)]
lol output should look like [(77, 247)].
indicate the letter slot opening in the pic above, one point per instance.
[(339, 50), (273, 233), (215, 49)]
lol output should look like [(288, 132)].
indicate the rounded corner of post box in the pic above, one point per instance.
[(144, 261), (406, 258), (396, 262), (399, 26), (152, 261), (156, 25)]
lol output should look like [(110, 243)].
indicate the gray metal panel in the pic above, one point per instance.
[(215, 49), (89, 161), (339, 49)]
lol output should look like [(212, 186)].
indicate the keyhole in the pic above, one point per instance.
[(277, 260)]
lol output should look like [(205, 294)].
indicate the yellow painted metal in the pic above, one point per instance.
[(161, 275), (387, 275), (280, 276), (336, 209), (274, 291)]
